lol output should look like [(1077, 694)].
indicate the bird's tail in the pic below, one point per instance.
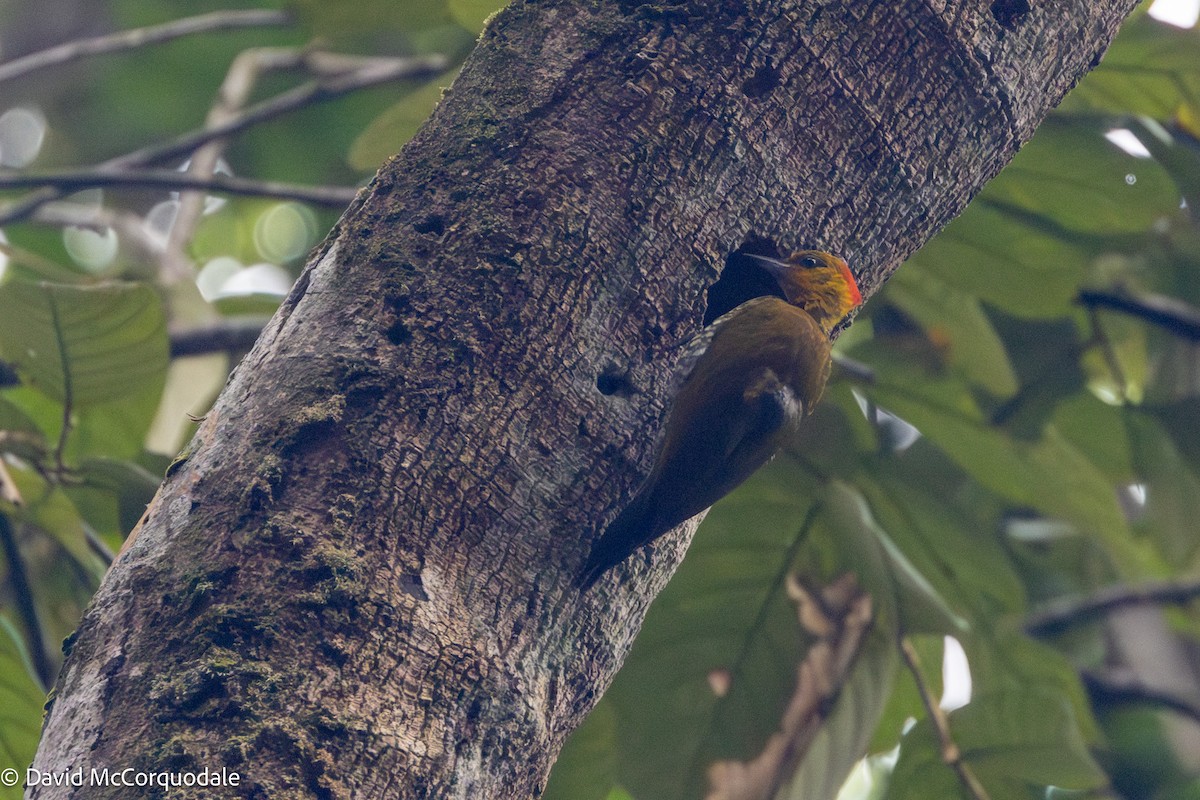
[(629, 531)]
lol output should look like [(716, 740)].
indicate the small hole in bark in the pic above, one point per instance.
[(334, 654), (762, 82), (1009, 12), (476, 709), (433, 224), (614, 381), (398, 333)]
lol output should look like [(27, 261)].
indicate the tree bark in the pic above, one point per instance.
[(358, 583)]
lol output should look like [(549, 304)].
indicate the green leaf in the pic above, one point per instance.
[(1180, 159), (20, 707), (1002, 659), (1012, 741), (1147, 69), (586, 767), (1172, 491), (962, 559), (1003, 260), (920, 773), (114, 493), (1070, 174), (472, 14), (904, 703), (975, 350), (13, 418), (725, 613), (1028, 736), (116, 429), (846, 732), (1046, 358), (87, 344), (51, 511), (388, 132), (902, 595), (20, 434), (1179, 421), (1049, 474), (1098, 430)]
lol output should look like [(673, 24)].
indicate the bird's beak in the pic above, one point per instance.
[(774, 266)]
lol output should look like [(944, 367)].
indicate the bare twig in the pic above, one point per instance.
[(69, 181), (951, 754), (376, 72), (1110, 687), (98, 545), (43, 665), (1068, 611), (230, 336), (138, 37), (232, 96), (68, 389), (1173, 316), (234, 93)]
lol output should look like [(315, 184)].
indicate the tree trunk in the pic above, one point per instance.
[(358, 584)]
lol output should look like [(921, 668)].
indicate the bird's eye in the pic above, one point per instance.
[(810, 261)]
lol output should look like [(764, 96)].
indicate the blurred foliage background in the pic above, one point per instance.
[(1009, 459)]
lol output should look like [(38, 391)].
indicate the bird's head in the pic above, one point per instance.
[(820, 283)]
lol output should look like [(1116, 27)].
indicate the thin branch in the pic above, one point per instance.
[(1110, 687), (1068, 611), (139, 37), (232, 96), (69, 181), (43, 665), (376, 72), (229, 337), (98, 545), (951, 754), (235, 91), (68, 388), (1173, 316)]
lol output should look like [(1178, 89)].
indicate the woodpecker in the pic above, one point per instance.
[(745, 383)]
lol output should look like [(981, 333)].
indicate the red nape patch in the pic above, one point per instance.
[(855, 294)]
